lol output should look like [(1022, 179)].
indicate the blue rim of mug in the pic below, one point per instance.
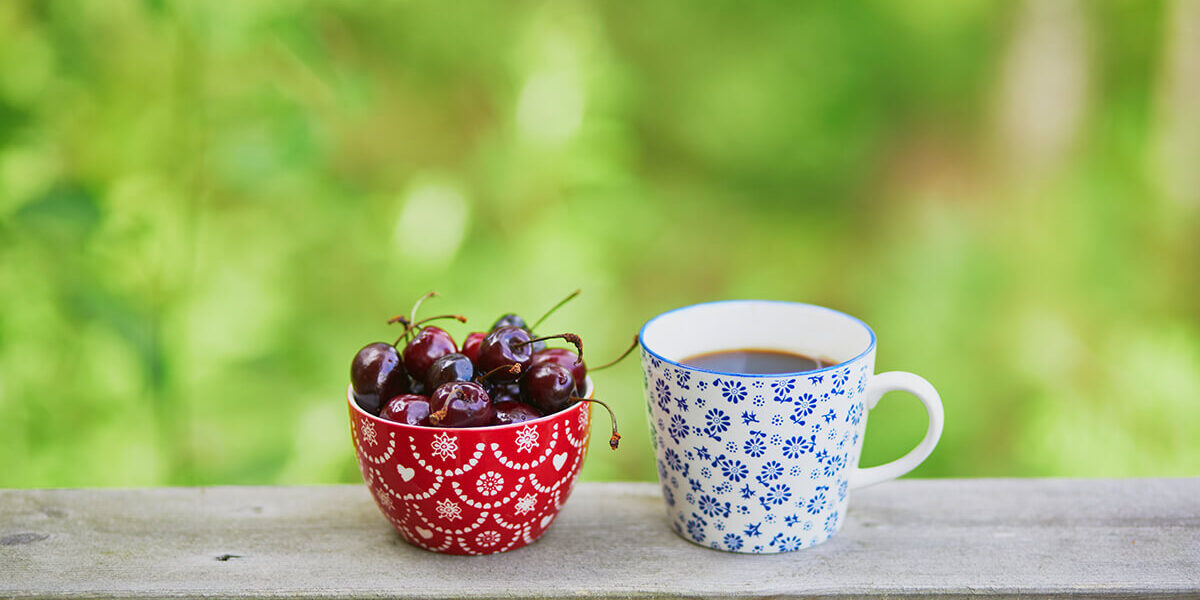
[(642, 339)]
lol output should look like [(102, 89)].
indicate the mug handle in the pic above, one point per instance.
[(899, 381)]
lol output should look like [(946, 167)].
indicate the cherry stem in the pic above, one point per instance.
[(569, 298), (436, 418), (619, 358), (615, 440), (430, 294), (512, 369), (411, 326), (570, 337), (401, 319)]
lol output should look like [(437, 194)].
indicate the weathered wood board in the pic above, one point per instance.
[(1026, 538)]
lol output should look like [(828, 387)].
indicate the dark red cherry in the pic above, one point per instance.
[(505, 346), (510, 320), (515, 320), (430, 344), (548, 386), (376, 374), (568, 359), (451, 367), (461, 404), (503, 391), (471, 344), (411, 409), (510, 412)]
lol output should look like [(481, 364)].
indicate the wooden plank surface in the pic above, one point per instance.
[(942, 537)]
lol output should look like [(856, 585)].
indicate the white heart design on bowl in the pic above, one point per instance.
[(559, 460), (425, 533), (546, 520), (405, 472)]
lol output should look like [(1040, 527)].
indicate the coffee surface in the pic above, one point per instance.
[(756, 362)]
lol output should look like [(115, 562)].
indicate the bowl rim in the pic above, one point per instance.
[(588, 390)]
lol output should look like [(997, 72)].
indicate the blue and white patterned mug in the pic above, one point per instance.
[(764, 463)]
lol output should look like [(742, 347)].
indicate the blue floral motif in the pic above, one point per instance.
[(797, 445), (855, 414), (834, 465), (702, 453), (695, 485), (747, 492), (777, 420), (843, 487), (818, 502), (776, 495), (705, 472), (673, 459), (840, 377), (662, 470), (663, 394), (733, 541), (678, 429), (731, 447), (831, 522), (712, 507), (829, 416), (791, 520), (748, 417), (681, 379), (771, 471), (754, 447), (681, 402), (752, 530), (733, 391), (702, 384), (716, 423), (816, 378), (695, 527), (668, 495), (804, 406), (731, 468), (782, 389), (790, 543)]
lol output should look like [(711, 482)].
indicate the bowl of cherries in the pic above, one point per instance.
[(471, 449)]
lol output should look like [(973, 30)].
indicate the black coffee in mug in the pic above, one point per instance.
[(756, 362)]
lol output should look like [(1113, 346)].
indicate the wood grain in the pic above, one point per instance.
[(1029, 538)]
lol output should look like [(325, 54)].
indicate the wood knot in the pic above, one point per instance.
[(22, 538)]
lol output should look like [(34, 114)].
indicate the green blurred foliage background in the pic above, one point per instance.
[(207, 207)]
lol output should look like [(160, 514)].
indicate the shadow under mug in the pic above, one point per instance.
[(764, 463)]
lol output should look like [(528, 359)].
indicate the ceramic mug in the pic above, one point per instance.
[(765, 463)]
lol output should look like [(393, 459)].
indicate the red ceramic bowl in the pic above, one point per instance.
[(475, 490)]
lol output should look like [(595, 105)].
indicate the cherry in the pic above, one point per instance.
[(510, 412), (503, 392), (565, 358), (515, 320), (548, 386), (470, 345), (430, 344), (411, 409), (449, 367), (505, 346), (461, 404), (377, 373), (510, 320)]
